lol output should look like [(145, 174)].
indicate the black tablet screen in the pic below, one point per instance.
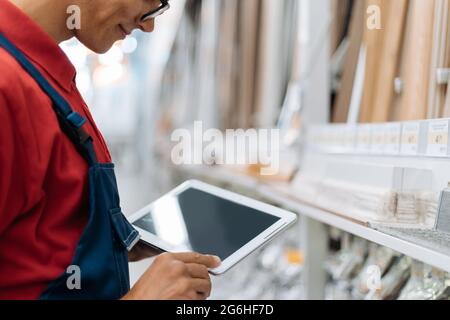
[(201, 222)]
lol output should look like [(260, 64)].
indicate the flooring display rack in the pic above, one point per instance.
[(315, 106), (313, 232), (314, 20), (376, 85)]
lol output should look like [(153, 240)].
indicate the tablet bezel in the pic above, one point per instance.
[(286, 219)]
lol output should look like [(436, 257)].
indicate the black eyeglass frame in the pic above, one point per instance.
[(158, 11)]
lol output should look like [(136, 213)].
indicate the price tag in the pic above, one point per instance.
[(364, 138), (330, 139), (318, 137), (438, 138), (350, 138), (393, 138), (339, 137), (410, 138), (378, 139), (314, 137)]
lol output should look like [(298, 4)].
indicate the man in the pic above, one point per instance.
[(60, 215)]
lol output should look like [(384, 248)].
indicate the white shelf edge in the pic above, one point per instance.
[(415, 251)]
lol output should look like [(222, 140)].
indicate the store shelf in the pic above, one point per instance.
[(223, 175), (417, 249), (433, 254)]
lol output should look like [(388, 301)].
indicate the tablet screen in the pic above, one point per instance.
[(199, 221)]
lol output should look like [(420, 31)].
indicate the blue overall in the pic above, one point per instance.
[(101, 255)]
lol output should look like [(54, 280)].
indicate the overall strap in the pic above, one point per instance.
[(71, 122)]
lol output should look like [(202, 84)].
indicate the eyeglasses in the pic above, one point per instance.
[(164, 6)]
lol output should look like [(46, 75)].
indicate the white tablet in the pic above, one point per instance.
[(202, 218)]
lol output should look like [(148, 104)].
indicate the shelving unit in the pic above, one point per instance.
[(279, 194), (416, 249), (313, 221), (315, 110), (313, 19)]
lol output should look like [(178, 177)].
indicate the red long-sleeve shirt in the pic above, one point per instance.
[(43, 179)]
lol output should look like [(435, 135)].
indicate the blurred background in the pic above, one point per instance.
[(267, 64), (227, 63)]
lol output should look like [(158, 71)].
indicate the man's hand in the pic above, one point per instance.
[(142, 251), (175, 276)]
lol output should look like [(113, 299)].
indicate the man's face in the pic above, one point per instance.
[(103, 22)]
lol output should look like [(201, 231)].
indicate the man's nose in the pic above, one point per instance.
[(148, 25)]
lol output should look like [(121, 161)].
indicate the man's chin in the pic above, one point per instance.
[(98, 47), (102, 50)]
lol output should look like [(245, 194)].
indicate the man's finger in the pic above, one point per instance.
[(201, 286), (202, 296), (192, 257), (198, 271)]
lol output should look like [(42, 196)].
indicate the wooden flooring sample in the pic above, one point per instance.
[(344, 96), (339, 9), (436, 93), (396, 12), (446, 113), (418, 60), (397, 99), (442, 94), (248, 29), (373, 43), (227, 61)]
